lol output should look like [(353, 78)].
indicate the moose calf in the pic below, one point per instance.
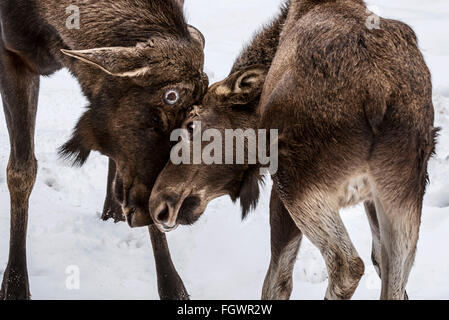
[(353, 107)]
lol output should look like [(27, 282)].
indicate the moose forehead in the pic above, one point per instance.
[(154, 62), (174, 63), (179, 54), (169, 62)]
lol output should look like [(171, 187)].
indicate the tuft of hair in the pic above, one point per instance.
[(78, 148), (250, 191), (74, 152), (435, 133)]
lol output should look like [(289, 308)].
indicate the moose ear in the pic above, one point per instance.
[(78, 148), (116, 61), (242, 87), (197, 36), (250, 80), (250, 191)]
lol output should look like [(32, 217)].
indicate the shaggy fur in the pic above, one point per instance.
[(127, 56), (354, 111)]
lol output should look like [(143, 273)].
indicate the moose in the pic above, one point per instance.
[(355, 120), (140, 65)]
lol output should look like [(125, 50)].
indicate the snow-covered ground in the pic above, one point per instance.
[(220, 257)]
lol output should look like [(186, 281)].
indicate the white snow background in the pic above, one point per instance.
[(220, 257)]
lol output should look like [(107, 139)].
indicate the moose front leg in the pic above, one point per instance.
[(169, 282), (170, 285), (111, 208), (19, 88)]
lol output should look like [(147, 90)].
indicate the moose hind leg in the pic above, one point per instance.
[(399, 228), (371, 214), (318, 218), (169, 282), (399, 181), (19, 88), (285, 242), (376, 253)]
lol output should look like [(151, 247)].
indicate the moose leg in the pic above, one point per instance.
[(169, 282), (322, 225), (111, 208), (376, 253), (399, 182), (285, 241), (170, 285), (19, 89), (399, 229), (370, 210)]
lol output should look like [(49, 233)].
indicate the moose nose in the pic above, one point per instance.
[(165, 215), (162, 216)]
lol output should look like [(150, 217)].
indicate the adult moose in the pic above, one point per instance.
[(353, 106), (140, 66)]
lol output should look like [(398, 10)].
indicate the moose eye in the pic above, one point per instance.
[(171, 97)]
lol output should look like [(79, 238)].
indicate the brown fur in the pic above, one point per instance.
[(354, 111), (126, 56)]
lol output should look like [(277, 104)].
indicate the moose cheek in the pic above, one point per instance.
[(188, 212)]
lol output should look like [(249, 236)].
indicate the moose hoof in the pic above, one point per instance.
[(112, 210), (173, 290), (175, 296), (112, 214), (15, 286)]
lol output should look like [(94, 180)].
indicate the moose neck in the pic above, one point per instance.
[(263, 47)]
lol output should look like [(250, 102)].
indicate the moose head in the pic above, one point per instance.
[(137, 95), (183, 191)]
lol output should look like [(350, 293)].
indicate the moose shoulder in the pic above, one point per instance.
[(354, 113), (140, 66)]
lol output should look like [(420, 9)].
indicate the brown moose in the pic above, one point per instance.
[(354, 113), (140, 66)]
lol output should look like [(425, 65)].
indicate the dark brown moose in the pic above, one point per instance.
[(140, 66), (353, 107)]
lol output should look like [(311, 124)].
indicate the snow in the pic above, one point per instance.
[(220, 257)]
